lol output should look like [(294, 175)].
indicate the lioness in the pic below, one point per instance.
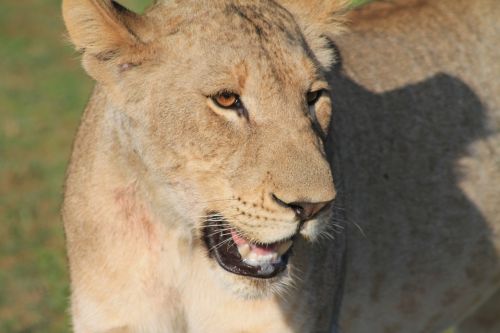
[(199, 175)]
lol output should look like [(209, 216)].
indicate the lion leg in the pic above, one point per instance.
[(486, 319)]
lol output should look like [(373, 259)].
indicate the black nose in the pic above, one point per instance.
[(304, 210)]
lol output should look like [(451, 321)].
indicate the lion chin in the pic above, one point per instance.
[(248, 288)]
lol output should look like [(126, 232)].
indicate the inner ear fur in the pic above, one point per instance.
[(107, 34), (320, 21)]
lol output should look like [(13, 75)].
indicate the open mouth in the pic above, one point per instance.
[(238, 255)]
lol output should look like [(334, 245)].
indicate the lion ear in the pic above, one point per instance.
[(320, 21), (107, 35)]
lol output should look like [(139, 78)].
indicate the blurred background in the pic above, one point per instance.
[(43, 91)]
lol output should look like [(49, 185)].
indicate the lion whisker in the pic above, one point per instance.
[(219, 244)]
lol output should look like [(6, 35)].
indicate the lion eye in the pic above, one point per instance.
[(313, 96), (227, 100)]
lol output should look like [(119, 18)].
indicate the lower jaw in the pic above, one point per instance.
[(248, 288)]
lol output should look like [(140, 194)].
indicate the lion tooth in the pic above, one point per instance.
[(244, 250), (283, 247), (252, 258), (250, 254), (255, 259)]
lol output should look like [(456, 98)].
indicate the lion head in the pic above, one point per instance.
[(220, 111)]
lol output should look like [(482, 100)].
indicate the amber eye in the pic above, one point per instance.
[(227, 100), (313, 96)]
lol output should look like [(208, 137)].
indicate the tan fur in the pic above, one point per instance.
[(414, 144), (154, 155)]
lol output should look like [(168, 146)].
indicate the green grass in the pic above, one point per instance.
[(42, 94), (136, 5), (356, 3)]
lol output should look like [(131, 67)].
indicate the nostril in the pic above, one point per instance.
[(299, 211), (303, 210), (297, 208)]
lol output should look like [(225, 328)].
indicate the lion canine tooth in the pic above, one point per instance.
[(244, 250)]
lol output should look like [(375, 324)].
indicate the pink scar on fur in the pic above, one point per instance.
[(135, 213)]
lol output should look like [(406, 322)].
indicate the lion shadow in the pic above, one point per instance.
[(395, 157)]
